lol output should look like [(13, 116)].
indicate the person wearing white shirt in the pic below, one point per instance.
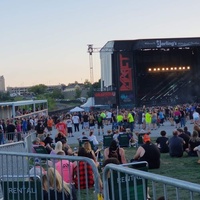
[(93, 138), (76, 121), (196, 117)]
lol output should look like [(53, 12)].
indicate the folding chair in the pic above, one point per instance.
[(40, 149), (107, 139), (124, 140)]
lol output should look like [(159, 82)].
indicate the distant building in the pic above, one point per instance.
[(2, 84), (25, 90)]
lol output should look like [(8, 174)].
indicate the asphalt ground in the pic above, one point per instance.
[(154, 133)]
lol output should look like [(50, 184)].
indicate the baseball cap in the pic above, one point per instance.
[(146, 138)]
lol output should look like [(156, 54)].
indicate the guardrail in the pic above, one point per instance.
[(18, 168), (158, 185)]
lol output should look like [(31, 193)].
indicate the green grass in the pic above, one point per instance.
[(185, 168)]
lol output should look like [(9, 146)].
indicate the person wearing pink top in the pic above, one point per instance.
[(177, 117), (65, 168)]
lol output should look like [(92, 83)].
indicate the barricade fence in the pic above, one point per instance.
[(24, 145), (124, 183), (37, 176)]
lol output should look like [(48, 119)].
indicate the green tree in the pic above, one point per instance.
[(38, 89), (97, 85), (57, 94), (50, 100), (5, 96), (77, 92), (87, 84)]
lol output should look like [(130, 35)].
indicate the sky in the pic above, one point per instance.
[(45, 41)]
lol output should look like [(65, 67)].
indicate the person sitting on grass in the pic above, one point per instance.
[(193, 142), (65, 168), (80, 170), (90, 152), (197, 149), (114, 151), (176, 145), (148, 152), (185, 137), (161, 142), (54, 187)]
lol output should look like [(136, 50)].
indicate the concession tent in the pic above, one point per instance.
[(77, 109)]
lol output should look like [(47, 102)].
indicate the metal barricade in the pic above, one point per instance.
[(28, 141), (17, 168), (158, 185), (13, 137)]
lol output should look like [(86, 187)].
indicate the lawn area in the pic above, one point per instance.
[(184, 168)]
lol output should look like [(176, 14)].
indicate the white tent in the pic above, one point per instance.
[(77, 109), (89, 103)]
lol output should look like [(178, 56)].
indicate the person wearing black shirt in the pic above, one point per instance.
[(161, 142), (185, 137), (10, 131), (176, 145), (148, 152)]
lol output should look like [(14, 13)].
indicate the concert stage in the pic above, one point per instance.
[(151, 71)]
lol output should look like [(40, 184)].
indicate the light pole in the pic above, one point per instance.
[(90, 51)]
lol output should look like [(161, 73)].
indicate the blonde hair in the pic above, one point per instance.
[(87, 147), (58, 146), (54, 180)]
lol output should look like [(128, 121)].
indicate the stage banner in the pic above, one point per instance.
[(105, 98), (125, 73)]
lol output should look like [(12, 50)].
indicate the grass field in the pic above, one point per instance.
[(184, 168)]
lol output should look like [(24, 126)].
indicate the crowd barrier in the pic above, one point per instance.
[(128, 183), (19, 176), (19, 146)]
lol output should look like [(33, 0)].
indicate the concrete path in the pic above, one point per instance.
[(154, 133)]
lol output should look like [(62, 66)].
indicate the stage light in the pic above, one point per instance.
[(163, 69), (183, 67), (188, 67), (158, 69), (175, 68), (154, 69), (172, 68), (180, 68), (167, 68), (149, 69)]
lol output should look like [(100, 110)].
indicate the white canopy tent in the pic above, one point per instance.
[(77, 109)]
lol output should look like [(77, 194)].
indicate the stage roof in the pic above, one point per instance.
[(160, 43)]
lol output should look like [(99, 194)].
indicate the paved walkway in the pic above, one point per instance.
[(154, 133)]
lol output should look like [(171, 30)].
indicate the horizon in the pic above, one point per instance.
[(45, 42)]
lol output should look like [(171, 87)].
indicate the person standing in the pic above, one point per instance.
[(177, 116), (69, 126), (61, 127), (1, 133), (10, 131), (100, 125), (50, 124), (85, 120), (130, 121), (76, 121)]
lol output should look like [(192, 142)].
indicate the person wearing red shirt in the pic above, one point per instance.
[(61, 127)]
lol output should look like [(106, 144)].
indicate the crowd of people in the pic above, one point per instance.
[(124, 121)]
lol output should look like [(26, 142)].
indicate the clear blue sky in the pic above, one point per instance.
[(45, 41)]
